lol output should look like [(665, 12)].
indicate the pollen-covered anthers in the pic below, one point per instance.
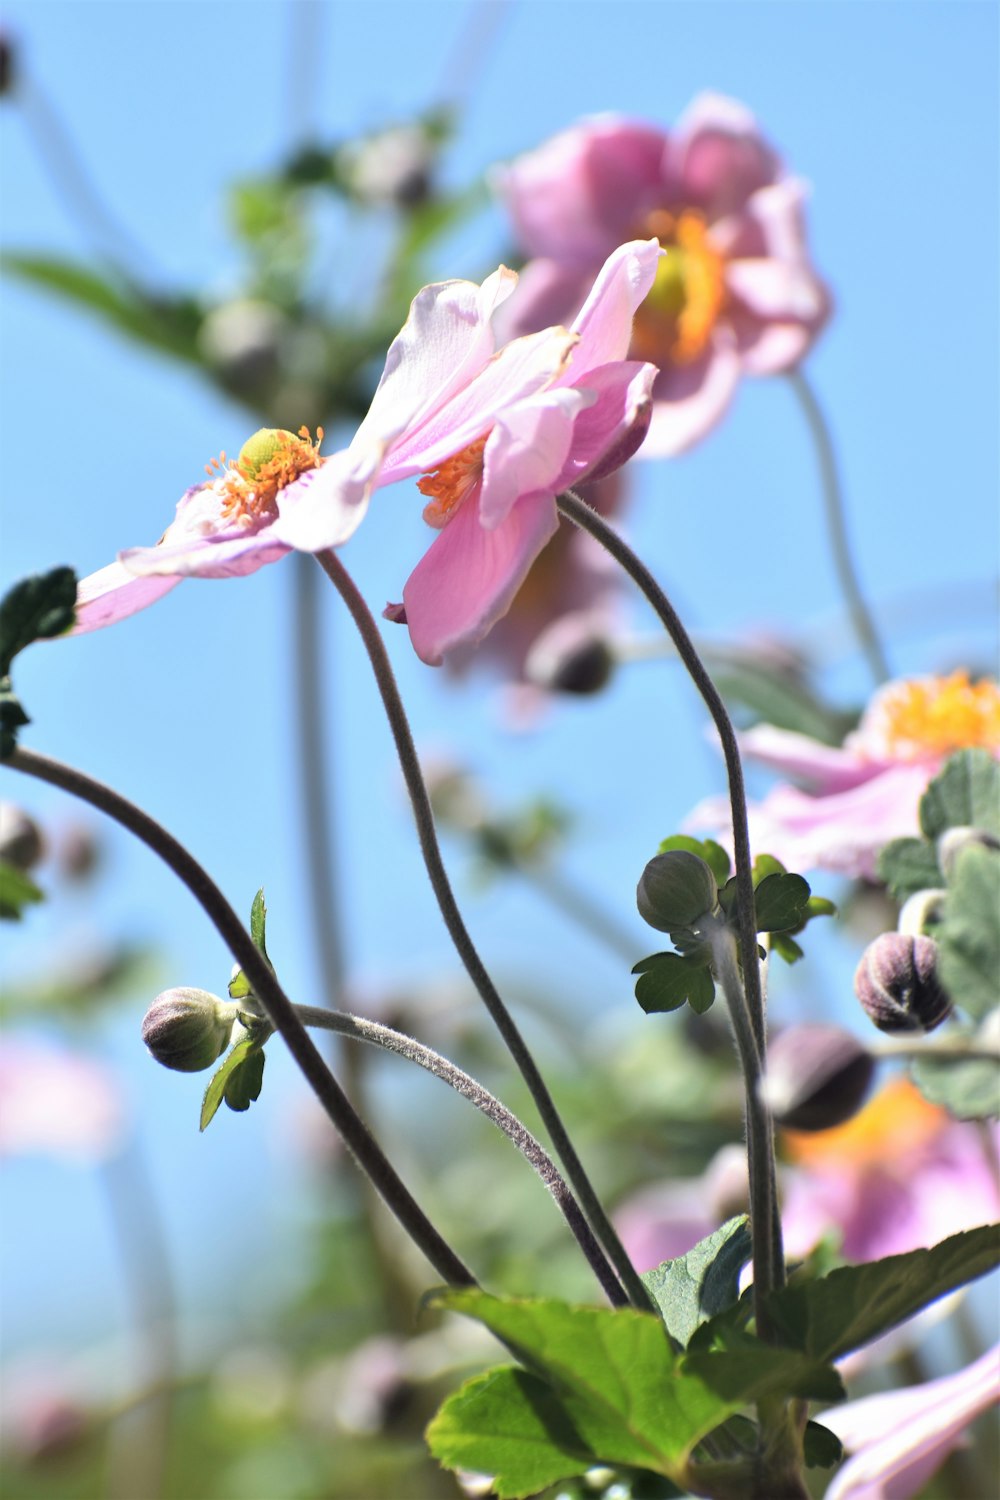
[(269, 461), (452, 482), (937, 715), (677, 318)]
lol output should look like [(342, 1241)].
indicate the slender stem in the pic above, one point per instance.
[(768, 1268), (504, 1022), (280, 1011), (768, 1259), (836, 521), (360, 1029)]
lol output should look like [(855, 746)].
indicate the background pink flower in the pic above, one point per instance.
[(57, 1103), (735, 293), (868, 791)]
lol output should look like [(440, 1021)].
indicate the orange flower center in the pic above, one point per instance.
[(899, 1119), (675, 322), (939, 715), (451, 483), (268, 462)]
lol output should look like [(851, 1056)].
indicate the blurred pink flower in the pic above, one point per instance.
[(504, 430), (900, 1175), (735, 292), (667, 1220), (899, 1439), (867, 792), (57, 1103)]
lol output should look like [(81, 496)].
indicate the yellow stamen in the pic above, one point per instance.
[(897, 1120), (269, 461), (676, 320), (452, 482), (938, 715)]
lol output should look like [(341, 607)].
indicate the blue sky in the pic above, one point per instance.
[(889, 110)]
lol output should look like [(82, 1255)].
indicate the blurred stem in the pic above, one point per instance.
[(502, 1019), (767, 1229), (836, 522), (359, 1028), (138, 1228), (264, 983)]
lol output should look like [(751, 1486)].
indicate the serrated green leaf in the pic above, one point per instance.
[(969, 934), (239, 986), (966, 794), (244, 1055), (694, 1287), (765, 865), (672, 980), (780, 902), (17, 891), (258, 921), (712, 853), (38, 608), (821, 1448), (759, 1371), (617, 1381), (786, 947), (969, 1089), (829, 1317), (907, 866)]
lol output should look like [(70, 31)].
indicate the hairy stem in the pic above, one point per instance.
[(360, 1029), (836, 521), (280, 1010), (767, 1229), (502, 1019)]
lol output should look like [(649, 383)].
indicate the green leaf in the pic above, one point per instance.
[(774, 695), (12, 718), (671, 980), (36, 609), (16, 892), (694, 1287), (621, 1397), (712, 853), (966, 794), (780, 902), (757, 1371), (907, 866), (239, 986), (765, 865), (237, 1080), (969, 935), (258, 921), (821, 1448), (169, 324), (786, 947), (852, 1305), (969, 1089)]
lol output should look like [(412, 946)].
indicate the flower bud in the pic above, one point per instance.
[(573, 655), (21, 842), (817, 1077), (954, 840), (897, 984), (188, 1029), (675, 890)]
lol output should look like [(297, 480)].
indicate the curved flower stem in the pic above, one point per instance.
[(833, 505), (262, 980), (767, 1230), (502, 1019), (361, 1029)]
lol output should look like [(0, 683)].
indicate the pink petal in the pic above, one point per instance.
[(548, 291), (527, 451), (776, 290), (205, 557), (604, 323), (720, 156), (689, 399), (58, 1103), (468, 577), (444, 343), (326, 510), (586, 189), (826, 768), (608, 432), (112, 594), (900, 1438)]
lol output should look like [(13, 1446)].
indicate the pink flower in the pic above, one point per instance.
[(900, 1175), (57, 1103), (496, 435), (867, 792), (735, 293), (899, 1439)]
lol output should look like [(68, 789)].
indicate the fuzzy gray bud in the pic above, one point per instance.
[(817, 1077), (676, 889), (188, 1029), (897, 984)]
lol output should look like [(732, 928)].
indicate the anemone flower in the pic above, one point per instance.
[(868, 791), (58, 1103), (495, 434), (899, 1439), (735, 292)]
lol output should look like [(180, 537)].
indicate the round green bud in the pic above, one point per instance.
[(817, 1077), (188, 1029), (676, 890), (261, 448), (897, 984)]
